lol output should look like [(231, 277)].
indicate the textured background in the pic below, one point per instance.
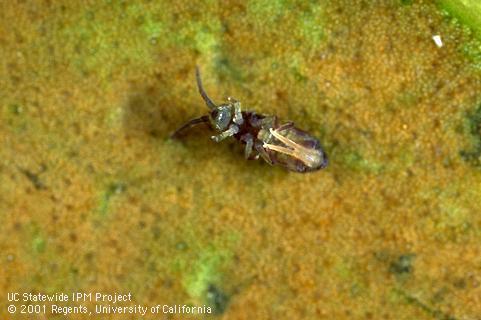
[(94, 196)]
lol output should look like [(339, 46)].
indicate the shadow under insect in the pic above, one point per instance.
[(149, 112)]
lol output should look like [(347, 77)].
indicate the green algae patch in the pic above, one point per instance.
[(14, 109), (204, 282), (104, 38), (455, 222), (308, 23), (355, 284), (301, 24), (205, 278), (311, 25), (344, 270), (268, 11), (204, 37), (467, 11), (355, 161), (38, 244), (38, 241), (204, 270)]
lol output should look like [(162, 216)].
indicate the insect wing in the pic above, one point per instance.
[(294, 162)]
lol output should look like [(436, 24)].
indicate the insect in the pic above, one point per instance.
[(263, 136)]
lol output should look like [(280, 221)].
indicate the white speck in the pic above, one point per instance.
[(438, 41)]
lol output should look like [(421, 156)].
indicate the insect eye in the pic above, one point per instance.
[(221, 117), (214, 114)]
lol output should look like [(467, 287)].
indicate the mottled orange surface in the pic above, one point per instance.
[(95, 197)]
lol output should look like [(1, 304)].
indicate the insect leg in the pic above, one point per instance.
[(233, 129), (237, 111), (260, 149), (249, 140), (204, 95), (189, 124)]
